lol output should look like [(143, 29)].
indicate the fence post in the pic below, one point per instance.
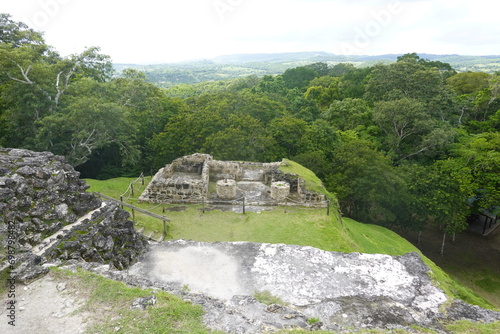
[(328, 207), (121, 200), (286, 204), (132, 189), (203, 204), (142, 179), (133, 215), (164, 228), (243, 205)]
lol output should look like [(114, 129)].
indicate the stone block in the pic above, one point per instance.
[(226, 189), (280, 190)]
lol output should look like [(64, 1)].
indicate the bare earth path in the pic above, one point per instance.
[(45, 306)]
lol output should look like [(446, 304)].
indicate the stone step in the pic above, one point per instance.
[(141, 230), (161, 238), (50, 241), (150, 236)]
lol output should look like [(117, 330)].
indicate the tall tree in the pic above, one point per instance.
[(409, 129), (365, 181)]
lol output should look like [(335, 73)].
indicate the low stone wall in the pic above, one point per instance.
[(186, 180), (311, 197), (221, 170), (165, 191)]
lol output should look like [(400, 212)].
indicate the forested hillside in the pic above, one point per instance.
[(403, 144), (237, 66)]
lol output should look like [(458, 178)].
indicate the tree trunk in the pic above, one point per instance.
[(442, 245)]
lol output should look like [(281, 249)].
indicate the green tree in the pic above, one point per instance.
[(35, 79), (349, 114), (324, 90), (298, 77), (366, 183), (404, 79), (90, 124), (450, 184), (468, 82), (245, 139), (481, 154), (353, 83), (288, 132), (272, 85), (409, 129), (321, 69), (341, 69)]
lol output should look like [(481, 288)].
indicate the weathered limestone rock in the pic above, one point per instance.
[(40, 195), (342, 290), (226, 189), (280, 190)]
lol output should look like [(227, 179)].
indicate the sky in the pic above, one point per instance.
[(160, 31)]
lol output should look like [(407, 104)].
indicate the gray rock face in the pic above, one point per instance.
[(342, 290), (40, 194)]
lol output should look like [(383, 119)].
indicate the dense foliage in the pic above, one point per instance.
[(402, 144)]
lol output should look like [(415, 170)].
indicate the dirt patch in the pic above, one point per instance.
[(46, 306)]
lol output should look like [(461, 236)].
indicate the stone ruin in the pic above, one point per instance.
[(198, 178), (44, 204)]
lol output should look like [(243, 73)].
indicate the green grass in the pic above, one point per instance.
[(108, 303), (311, 181), (465, 327), (265, 297)]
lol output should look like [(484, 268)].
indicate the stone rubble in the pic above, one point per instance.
[(42, 196)]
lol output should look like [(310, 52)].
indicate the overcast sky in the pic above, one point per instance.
[(156, 31)]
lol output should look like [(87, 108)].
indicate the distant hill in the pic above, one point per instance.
[(260, 64)]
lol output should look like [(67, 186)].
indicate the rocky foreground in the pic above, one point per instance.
[(47, 214), (340, 290)]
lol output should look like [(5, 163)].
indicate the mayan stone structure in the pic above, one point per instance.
[(199, 178)]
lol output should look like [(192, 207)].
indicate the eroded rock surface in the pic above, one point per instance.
[(342, 290), (42, 205)]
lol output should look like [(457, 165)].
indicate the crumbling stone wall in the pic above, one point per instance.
[(186, 180), (221, 170), (298, 188), (40, 194)]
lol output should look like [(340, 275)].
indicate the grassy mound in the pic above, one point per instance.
[(311, 181)]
